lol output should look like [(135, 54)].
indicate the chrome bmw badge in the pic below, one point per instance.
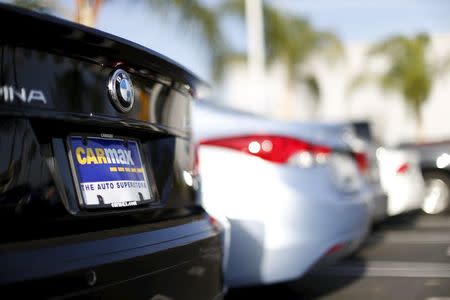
[(121, 90)]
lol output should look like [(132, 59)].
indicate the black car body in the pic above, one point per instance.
[(429, 155), (55, 242)]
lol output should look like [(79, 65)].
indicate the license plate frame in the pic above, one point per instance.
[(142, 179)]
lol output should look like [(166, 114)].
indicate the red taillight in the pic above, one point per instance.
[(403, 168), (214, 223), (336, 248), (278, 149), (362, 161), (196, 160)]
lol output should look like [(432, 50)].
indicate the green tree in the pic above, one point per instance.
[(292, 40), (410, 71), (39, 5), (289, 39), (45, 6), (207, 18)]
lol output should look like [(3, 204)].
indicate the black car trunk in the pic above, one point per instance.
[(54, 87)]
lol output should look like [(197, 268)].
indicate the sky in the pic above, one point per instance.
[(351, 20), (372, 20)]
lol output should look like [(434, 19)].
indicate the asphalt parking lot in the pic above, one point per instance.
[(406, 257)]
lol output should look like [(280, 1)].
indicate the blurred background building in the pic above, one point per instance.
[(393, 120)]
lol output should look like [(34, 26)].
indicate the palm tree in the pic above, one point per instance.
[(39, 5), (410, 71), (289, 39), (207, 19), (292, 41)]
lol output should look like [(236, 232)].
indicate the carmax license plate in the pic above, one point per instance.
[(109, 172)]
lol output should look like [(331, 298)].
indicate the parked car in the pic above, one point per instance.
[(401, 178), (98, 187), (365, 144), (435, 165), (291, 192)]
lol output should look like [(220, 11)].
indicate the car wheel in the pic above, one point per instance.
[(437, 193)]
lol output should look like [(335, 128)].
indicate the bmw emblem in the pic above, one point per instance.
[(121, 90)]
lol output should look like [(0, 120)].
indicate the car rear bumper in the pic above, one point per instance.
[(282, 219), (405, 196), (178, 262), (286, 247)]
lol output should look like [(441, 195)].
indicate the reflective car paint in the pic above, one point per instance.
[(283, 218), (42, 222)]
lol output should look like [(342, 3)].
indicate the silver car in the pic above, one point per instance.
[(291, 193)]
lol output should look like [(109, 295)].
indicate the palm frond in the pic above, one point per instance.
[(409, 71), (360, 80), (390, 46), (223, 59), (207, 19), (312, 84), (38, 5), (290, 39), (233, 7), (331, 45), (193, 11)]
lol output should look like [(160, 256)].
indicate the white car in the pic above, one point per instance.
[(401, 178), (292, 193)]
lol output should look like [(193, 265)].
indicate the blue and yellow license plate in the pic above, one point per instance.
[(109, 172)]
